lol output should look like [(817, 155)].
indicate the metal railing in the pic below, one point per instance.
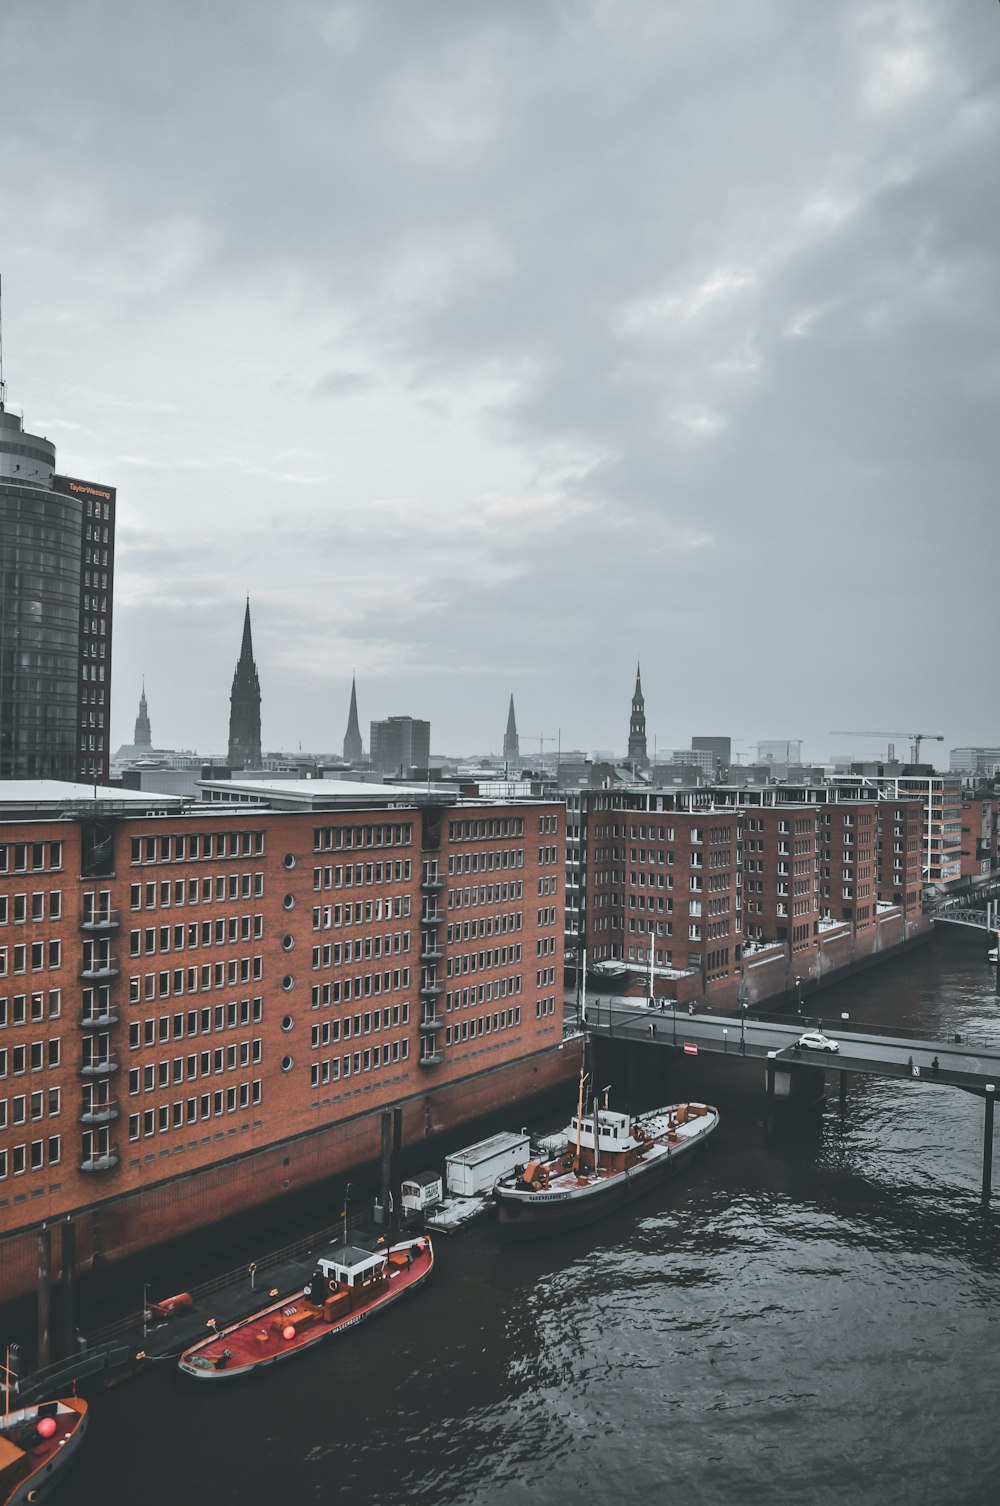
[(113, 1346)]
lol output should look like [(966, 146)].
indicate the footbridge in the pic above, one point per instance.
[(984, 916), (972, 1064)]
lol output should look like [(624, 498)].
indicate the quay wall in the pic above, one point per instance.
[(193, 1200), (770, 973)]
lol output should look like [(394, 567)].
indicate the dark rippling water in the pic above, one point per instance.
[(810, 1320)]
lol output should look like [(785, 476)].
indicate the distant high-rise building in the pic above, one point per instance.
[(721, 749), (399, 744), (511, 746), (981, 761), (244, 713), (57, 561), (143, 737), (353, 750), (637, 726), (780, 750)]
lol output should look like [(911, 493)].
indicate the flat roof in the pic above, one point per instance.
[(63, 796), (322, 794)]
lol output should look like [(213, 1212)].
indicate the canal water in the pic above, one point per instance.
[(815, 1319)]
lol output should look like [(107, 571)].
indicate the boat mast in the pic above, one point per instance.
[(579, 1118), (347, 1199)]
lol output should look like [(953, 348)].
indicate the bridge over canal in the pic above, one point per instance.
[(792, 1070), (980, 912)]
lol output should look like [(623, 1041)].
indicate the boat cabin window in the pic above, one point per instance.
[(352, 1267)]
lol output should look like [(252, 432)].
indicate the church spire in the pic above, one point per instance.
[(143, 737), (244, 713), (511, 746), (637, 726), (353, 750)]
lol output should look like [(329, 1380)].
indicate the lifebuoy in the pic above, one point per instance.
[(331, 1283)]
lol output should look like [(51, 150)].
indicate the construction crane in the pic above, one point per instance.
[(917, 737), (543, 738)]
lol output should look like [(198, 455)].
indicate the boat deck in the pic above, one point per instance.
[(293, 1323), (24, 1453), (665, 1136), (459, 1212)]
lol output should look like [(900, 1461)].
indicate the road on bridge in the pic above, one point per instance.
[(960, 1065)]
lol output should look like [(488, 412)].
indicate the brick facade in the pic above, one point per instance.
[(195, 988)]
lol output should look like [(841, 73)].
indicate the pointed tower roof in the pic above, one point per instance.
[(143, 737), (353, 749), (244, 714), (246, 648), (637, 725), (511, 747)]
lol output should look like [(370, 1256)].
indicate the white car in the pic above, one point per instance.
[(815, 1040)]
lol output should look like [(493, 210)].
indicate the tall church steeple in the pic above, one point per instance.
[(637, 727), (511, 746), (143, 737), (353, 750), (244, 713)]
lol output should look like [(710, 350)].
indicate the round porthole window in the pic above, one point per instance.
[(287, 1022), (289, 901), (289, 860), (287, 982), (287, 942), (287, 1063)]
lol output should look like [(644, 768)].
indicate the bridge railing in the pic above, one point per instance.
[(829, 1021)]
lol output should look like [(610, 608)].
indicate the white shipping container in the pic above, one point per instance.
[(475, 1170)]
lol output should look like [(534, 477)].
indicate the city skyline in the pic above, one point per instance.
[(557, 347)]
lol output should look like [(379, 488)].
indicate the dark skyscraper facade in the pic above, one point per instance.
[(637, 726), (353, 751), (400, 744), (57, 550), (244, 704)]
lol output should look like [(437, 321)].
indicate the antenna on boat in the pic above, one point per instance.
[(347, 1199)]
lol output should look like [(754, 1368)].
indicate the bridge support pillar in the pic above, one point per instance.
[(630, 1091), (843, 1089), (769, 1100), (988, 1143)]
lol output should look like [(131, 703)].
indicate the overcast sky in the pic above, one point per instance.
[(491, 347)]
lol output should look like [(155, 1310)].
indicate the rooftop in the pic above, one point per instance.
[(57, 797)]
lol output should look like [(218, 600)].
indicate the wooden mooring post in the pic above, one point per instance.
[(68, 1260), (44, 1297)]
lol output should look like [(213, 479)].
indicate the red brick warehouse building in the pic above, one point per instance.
[(767, 887), (203, 1006)]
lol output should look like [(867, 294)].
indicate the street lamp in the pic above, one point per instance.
[(798, 995), (742, 1001)]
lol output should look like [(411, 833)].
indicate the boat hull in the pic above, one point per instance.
[(50, 1470), (536, 1215), (197, 1362)]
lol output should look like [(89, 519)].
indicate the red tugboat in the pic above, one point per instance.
[(36, 1445), (348, 1285), (606, 1160)]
